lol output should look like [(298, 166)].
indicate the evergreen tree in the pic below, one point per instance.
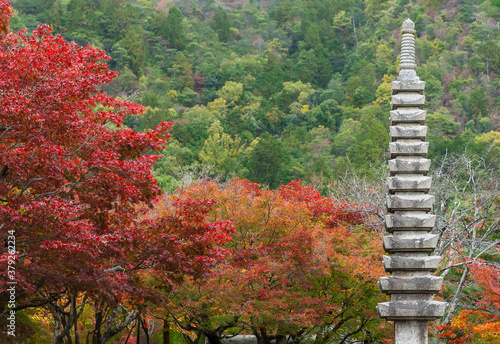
[(170, 27), (266, 160), (136, 49), (175, 32), (222, 25)]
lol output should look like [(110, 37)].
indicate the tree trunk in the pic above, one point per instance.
[(96, 337), (56, 331), (145, 328), (456, 299), (280, 339), (112, 329), (213, 337), (166, 332), (64, 320), (261, 335), (77, 335), (138, 339)]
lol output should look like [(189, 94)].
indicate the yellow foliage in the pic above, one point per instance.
[(493, 137), (172, 96), (274, 115), (383, 93), (251, 147), (251, 109), (490, 139), (218, 107), (220, 150), (235, 31), (215, 128), (231, 92)]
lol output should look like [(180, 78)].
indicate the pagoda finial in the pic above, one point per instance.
[(408, 45), (408, 24)]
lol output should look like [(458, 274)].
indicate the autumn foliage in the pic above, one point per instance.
[(301, 264), (480, 325), (74, 188)]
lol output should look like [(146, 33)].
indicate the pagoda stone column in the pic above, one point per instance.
[(409, 222)]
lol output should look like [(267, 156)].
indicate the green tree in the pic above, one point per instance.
[(174, 30), (375, 9), (442, 123), (371, 140), (314, 67), (75, 14), (266, 160), (222, 25), (182, 72), (116, 20), (328, 114), (490, 52), (345, 139), (441, 129), (293, 95), (242, 69), (361, 96), (342, 24), (221, 150), (384, 91), (152, 117), (476, 64), (479, 104), (484, 125), (136, 50), (271, 80), (175, 158)]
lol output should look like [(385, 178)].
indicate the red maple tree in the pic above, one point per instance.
[(73, 186)]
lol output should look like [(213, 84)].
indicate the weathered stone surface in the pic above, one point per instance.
[(410, 243), (408, 115), (409, 183), (240, 339), (401, 310), (413, 285), (408, 132), (409, 85), (408, 65), (426, 263), (410, 201), (409, 221), (407, 99), (411, 332), (412, 148), (407, 74), (408, 26), (409, 165)]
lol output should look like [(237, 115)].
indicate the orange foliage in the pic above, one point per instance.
[(482, 325), (297, 260)]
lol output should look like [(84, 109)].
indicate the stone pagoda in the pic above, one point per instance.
[(409, 222)]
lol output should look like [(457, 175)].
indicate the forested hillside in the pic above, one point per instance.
[(280, 90)]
